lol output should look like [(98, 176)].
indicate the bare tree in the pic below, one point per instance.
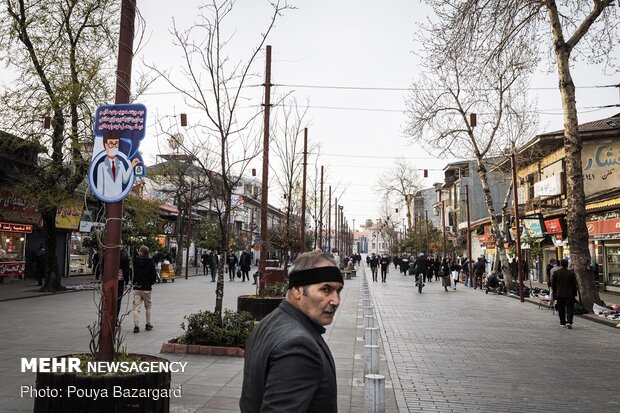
[(288, 151), (400, 184), (213, 84), (59, 51), (569, 30), (458, 83)]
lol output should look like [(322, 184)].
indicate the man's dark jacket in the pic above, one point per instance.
[(288, 366), (564, 283), (144, 273)]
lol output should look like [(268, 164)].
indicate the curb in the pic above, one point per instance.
[(204, 350)]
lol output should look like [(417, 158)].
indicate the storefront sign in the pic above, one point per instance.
[(68, 214), (553, 226), (12, 269), (533, 227), (17, 208), (604, 226), (10, 227), (601, 169), (551, 186)]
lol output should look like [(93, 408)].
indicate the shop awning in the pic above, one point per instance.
[(603, 204)]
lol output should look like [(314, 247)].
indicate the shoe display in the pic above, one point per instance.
[(148, 327), (136, 329)]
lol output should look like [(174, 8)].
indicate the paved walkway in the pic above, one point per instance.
[(462, 350), (450, 351), (56, 324)]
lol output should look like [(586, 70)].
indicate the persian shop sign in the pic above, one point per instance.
[(601, 169), (10, 227), (604, 226), (551, 186)]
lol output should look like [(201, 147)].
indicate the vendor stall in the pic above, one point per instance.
[(12, 249)]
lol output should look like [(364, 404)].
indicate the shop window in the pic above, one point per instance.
[(11, 246), (613, 265)]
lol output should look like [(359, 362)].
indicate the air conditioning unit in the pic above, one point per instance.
[(449, 228)]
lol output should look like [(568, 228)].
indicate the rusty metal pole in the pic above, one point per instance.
[(303, 194), (443, 227), (265, 189), (336, 224), (329, 219), (518, 226), (114, 210), (469, 257), (189, 227), (321, 214), (428, 247)]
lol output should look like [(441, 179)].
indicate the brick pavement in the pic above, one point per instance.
[(50, 325), (441, 351), (462, 350)]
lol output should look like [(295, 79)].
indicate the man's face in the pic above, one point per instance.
[(319, 301), (111, 147)]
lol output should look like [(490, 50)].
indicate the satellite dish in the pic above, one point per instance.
[(176, 141)]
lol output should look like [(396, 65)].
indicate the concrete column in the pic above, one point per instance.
[(371, 359), (374, 393), (370, 335)]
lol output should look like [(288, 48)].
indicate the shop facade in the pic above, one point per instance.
[(604, 234)]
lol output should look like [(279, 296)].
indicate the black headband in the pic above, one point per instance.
[(314, 276)]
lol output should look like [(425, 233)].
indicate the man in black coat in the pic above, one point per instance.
[(564, 287), (245, 261), (288, 366), (144, 276)]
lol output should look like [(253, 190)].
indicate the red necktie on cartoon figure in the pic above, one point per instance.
[(114, 170)]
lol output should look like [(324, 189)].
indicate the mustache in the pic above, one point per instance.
[(330, 309)]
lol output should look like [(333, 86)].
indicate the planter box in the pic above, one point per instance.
[(84, 400), (172, 347), (259, 307)]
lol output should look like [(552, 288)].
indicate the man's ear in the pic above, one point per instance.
[(295, 293)]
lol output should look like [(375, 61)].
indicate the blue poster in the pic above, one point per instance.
[(116, 161)]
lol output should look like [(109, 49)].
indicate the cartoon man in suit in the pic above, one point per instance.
[(113, 174)]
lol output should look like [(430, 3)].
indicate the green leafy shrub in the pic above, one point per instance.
[(206, 329), (276, 290)]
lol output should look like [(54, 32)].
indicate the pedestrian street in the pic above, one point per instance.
[(463, 350)]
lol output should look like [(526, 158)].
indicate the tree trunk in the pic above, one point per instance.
[(576, 201), (499, 239), (52, 274)]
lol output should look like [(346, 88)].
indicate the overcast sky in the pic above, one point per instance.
[(360, 43)]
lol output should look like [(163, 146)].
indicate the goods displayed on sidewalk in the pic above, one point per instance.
[(611, 313)]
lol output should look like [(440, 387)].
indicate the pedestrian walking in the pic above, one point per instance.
[(288, 366), (479, 268), (564, 286), (232, 264), (374, 263), (124, 278), (446, 270), (245, 261), (214, 261), (97, 265), (40, 264), (385, 263), (455, 268), (144, 276), (204, 260)]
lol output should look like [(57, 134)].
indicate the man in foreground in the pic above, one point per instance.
[(288, 366)]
